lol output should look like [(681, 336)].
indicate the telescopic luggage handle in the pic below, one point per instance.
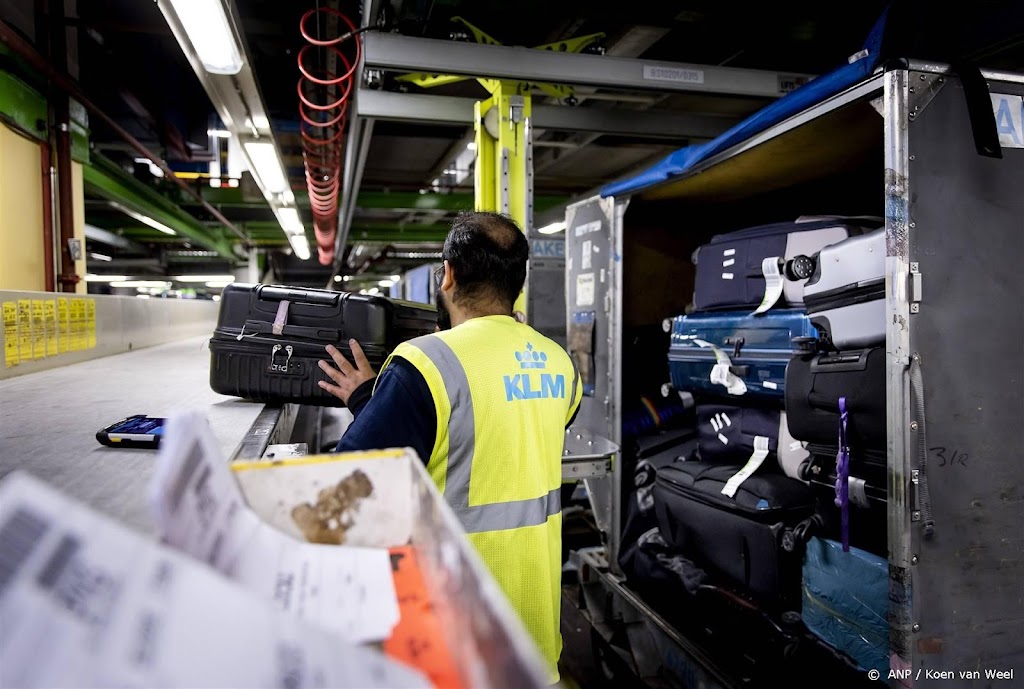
[(268, 293)]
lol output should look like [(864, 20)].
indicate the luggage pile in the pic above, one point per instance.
[(784, 355)]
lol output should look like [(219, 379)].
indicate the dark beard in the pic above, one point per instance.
[(444, 319)]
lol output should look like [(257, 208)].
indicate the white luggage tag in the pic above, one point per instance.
[(752, 465), (720, 373), (773, 284)]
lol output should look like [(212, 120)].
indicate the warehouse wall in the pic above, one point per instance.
[(78, 206), (21, 213)]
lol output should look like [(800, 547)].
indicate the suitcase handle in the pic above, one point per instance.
[(267, 293), (327, 334), (819, 401)]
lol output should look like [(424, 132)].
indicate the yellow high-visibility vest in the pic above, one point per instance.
[(503, 394)]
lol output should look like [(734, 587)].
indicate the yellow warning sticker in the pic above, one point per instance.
[(90, 322), (25, 329), (11, 356), (50, 318), (76, 324), (63, 325), (38, 329)]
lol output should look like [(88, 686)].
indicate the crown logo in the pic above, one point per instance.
[(531, 358)]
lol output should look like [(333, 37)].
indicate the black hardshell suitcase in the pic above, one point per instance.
[(269, 338), (749, 538)]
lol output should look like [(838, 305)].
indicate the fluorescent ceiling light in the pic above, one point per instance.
[(290, 221), (207, 27), (153, 169), (396, 278), (89, 277), (372, 290), (101, 257), (553, 228), (219, 133), (144, 219), (217, 284), (204, 278), (386, 283), (267, 166), (300, 245), (258, 121), (337, 278), (141, 283)]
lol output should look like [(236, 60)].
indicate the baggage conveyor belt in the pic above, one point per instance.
[(49, 420)]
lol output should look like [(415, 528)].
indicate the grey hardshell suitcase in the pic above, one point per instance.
[(806, 243), (845, 295)]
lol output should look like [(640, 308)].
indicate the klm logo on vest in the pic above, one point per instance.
[(533, 386)]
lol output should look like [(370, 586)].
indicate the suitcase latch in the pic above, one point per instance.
[(737, 343), (286, 366)]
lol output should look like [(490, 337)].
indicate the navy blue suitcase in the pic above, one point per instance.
[(729, 271), (759, 348)]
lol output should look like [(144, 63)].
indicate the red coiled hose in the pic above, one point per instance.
[(323, 106)]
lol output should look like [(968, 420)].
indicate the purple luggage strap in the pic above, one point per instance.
[(843, 475)]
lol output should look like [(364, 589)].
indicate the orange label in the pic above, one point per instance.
[(417, 639)]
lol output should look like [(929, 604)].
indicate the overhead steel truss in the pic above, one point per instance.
[(433, 56)]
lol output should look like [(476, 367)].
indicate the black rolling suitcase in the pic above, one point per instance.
[(269, 338), (815, 382), (749, 538)]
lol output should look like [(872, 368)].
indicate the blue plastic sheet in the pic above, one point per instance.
[(811, 93), (846, 601)]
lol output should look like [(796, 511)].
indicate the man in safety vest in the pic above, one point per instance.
[(485, 402)]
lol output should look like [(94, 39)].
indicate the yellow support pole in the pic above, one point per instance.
[(503, 174)]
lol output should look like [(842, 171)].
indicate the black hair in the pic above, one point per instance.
[(487, 253)]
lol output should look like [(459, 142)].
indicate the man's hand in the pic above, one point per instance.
[(346, 377)]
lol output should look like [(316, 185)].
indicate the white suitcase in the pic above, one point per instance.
[(845, 295)]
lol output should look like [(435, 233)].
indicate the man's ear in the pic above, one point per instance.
[(448, 280)]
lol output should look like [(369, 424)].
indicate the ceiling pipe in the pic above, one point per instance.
[(37, 62)]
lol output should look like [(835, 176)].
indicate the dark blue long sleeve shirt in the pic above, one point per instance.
[(399, 412)]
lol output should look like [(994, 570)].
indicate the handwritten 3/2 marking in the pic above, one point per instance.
[(949, 457)]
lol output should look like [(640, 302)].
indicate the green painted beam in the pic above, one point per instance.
[(407, 235), (103, 178), (21, 105), (25, 108)]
